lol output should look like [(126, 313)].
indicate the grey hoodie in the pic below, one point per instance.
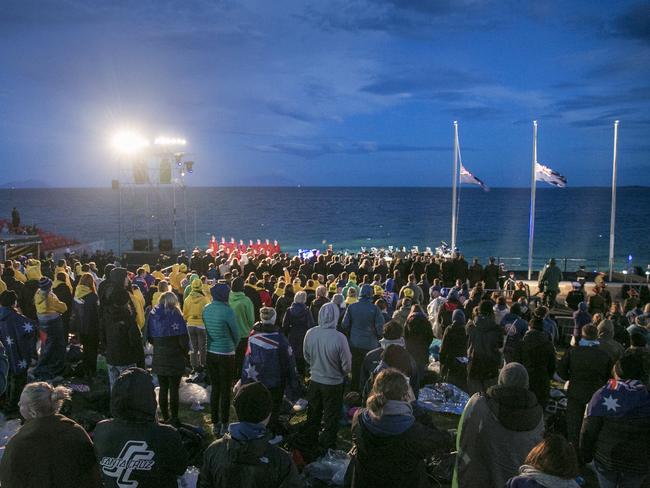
[(326, 350)]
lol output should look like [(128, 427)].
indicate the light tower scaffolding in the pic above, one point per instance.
[(152, 198)]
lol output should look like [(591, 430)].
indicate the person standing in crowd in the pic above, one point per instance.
[(484, 341), (193, 307), (223, 336), (297, 321), (433, 310), (606, 341), (500, 309), (550, 464), (320, 300), (329, 358), (119, 331), (514, 328), (575, 297), (167, 332), (132, 448), (242, 306), (597, 302), (580, 318), (17, 336), (587, 368), (549, 282), (491, 275), (389, 444), (269, 360), (418, 337), (64, 292), (49, 449), (85, 319), (243, 457), (537, 354), (616, 427), (49, 309), (392, 334), (15, 220), (497, 430), (453, 351), (363, 323)]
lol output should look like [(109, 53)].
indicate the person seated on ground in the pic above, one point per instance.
[(49, 449), (616, 427), (243, 457), (497, 430), (389, 445), (453, 352), (133, 448), (587, 368), (269, 360), (550, 464), (396, 357), (640, 326)]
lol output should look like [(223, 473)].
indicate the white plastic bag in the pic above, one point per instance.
[(189, 478), (191, 393)]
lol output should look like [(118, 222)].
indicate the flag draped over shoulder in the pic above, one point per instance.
[(620, 398), (550, 176), (467, 177)]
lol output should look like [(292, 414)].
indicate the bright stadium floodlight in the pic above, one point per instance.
[(169, 141), (129, 142)]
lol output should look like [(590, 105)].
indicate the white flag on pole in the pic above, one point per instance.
[(552, 177), (467, 177)]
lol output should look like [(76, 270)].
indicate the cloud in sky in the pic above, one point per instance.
[(256, 85)]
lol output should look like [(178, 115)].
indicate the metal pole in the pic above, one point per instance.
[(174, 243), (612, 222), (453, 189), (119, 226), (533, 188)]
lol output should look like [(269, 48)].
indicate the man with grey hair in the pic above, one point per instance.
[(330, 360), (320, 300)]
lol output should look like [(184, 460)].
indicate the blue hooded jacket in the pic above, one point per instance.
[(363, 321)]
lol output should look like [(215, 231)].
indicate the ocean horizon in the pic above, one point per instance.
[(571, 223)]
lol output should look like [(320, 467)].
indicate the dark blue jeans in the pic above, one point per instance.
[(51, 361), (617, 479)]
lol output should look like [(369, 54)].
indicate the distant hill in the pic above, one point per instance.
[(24, 184)]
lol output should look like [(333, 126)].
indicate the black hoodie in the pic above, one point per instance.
[(133, 449)]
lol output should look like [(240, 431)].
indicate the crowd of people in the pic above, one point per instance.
[(348, 336)]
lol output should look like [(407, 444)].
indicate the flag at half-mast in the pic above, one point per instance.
[(467, 177), (550, 176)]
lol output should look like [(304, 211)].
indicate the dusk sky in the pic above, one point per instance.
[(346, 93)]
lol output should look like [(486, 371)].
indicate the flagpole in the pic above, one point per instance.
[(453, 189), (612, 222), (533, 188)]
